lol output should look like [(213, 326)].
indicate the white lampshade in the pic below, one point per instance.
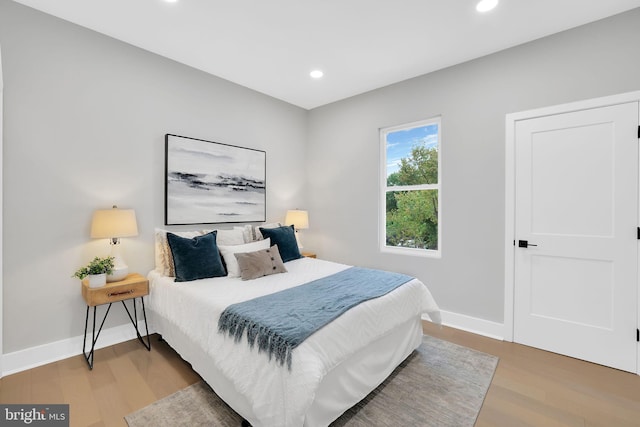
[(299, 219), (114, 223)]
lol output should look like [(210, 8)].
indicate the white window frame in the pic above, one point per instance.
[(382, 234)]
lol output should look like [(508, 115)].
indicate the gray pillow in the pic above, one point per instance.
[(260, 263)]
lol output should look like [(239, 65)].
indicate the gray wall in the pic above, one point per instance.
[(85, 117), (343, 154)]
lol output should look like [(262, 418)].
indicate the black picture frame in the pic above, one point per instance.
[(208, 182)]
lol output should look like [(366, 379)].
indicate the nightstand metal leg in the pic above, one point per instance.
[(146, 324), (134, 322), (94, 337), (84, 343)]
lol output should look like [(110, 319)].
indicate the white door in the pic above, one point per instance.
[(576, 199), (1, 205)]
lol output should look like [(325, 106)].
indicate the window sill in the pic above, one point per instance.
[(423, 253)]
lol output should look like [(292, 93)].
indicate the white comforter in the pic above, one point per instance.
[(279, 396)]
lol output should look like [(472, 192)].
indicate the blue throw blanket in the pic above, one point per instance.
[(279, 322)]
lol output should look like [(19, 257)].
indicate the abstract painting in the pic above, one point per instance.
[(208, 182)]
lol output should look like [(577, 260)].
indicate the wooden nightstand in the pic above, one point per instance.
[(308, 254), (132, 287)]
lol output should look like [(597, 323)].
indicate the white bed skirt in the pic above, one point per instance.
[(343, 387)]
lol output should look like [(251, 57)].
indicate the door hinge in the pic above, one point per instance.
[(638, 132), (638, 233), (638, 335)]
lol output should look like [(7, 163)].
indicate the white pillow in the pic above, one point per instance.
[(227, 237), (247, 232), (233, 270)]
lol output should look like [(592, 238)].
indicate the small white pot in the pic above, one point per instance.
[(97, 280)]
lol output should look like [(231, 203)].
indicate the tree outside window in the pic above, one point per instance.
[(411, 188)]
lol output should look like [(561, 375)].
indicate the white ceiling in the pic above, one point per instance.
[(271, 46)]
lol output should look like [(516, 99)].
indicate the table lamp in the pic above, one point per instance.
[(300, 221), (113, 224)]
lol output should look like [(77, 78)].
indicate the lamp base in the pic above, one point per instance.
[(120, 269), (297, 234), (118, 274)]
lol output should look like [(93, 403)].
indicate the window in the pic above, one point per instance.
[(410, 188)]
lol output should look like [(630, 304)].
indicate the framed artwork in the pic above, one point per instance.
[(208, 182)]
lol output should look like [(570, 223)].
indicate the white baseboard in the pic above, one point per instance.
[(52, 352), (47, 353), (474, 325)]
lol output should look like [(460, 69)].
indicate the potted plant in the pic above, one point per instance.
[(96, 271)]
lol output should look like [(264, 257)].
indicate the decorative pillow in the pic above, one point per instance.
[(195, 258), (233, 270), (260, 263), (257, 228), (228, 237), (248, 234), (285, 238), (164, 258)]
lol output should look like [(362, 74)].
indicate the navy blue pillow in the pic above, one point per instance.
[(285, 238), (196, 258)]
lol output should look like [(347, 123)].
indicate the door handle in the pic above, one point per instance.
[(525, 244)]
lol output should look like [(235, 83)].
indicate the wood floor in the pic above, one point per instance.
[(530, 387), (533, 387)]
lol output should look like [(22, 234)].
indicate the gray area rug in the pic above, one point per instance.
[(441, 384)]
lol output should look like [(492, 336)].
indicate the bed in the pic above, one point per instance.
[(331, 370)]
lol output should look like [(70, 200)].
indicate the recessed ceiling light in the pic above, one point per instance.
[(486, 5), (316, 74), (171, 1)]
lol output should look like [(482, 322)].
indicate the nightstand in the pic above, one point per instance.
[(131, 287), (308, 254)]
